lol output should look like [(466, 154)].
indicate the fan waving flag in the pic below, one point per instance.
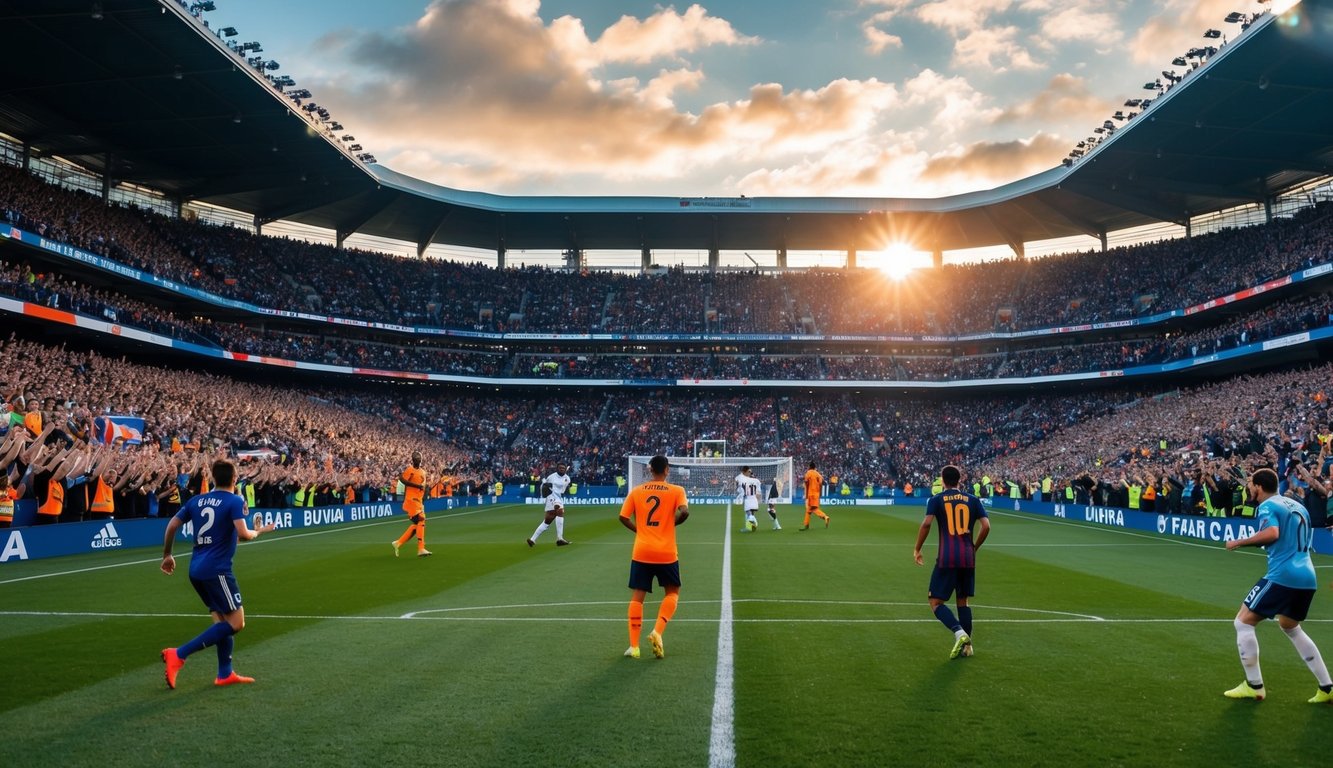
[(127, 429)]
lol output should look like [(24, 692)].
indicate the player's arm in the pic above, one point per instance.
[(245, 533), (1264, 537), (983, 530), (682, 513), (410, 484), (627, 514), (168, 562), (921, 534)]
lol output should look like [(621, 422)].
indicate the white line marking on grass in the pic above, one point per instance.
[(722, 735), (1072, 619), (385, 521)]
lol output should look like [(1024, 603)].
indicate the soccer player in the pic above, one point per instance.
[(554, 487), (748, 489), (773, 494), (958, 513), (652, 511), (814, 484), (414, 493), (219, 521), (1285, 591)]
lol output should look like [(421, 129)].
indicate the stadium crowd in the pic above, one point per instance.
[(292, 275)]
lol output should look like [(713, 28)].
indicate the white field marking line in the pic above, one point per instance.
[(722, 733), (620, 620), (1035, 519), (182, 555)]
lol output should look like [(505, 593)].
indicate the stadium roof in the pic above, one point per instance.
[(144, 92)]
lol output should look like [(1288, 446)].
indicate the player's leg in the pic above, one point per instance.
[(407, 535), (1247, 645), (640, 584), (820, 513), (560, 527), (943, 584), (1290, 620), (543, 525), (669, 577), (420, 520), (221, 597), (227, 675), (773, 513), (805, 524)]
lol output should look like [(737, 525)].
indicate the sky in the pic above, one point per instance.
[(881, 98)]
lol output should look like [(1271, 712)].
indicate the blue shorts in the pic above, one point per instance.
[(641, 575), (945, 581), (219, 593), (1269, 599)]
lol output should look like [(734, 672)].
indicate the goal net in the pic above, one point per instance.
[(714, 480)]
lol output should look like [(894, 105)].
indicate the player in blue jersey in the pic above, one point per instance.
[(219, 521), (958, 514), (1285, 591)]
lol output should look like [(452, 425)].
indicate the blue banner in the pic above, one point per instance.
[(44, 541)]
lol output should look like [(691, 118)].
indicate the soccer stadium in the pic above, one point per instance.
[(1105, 391)]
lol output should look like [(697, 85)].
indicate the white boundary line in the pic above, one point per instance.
[(339, 529), (722, 734)]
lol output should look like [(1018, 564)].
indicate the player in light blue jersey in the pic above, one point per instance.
[(219, 521), (1285, 591)]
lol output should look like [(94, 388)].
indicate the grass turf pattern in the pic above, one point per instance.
[(1094, 646)]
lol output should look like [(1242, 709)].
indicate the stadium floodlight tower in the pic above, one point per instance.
[(713, 479)]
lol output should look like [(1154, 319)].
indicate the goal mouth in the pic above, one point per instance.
[(709, 479)]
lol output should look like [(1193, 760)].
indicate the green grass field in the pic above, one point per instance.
[(1094, 647)]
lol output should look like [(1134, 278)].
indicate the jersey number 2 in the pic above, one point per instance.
[(656, 502), (207, 514)]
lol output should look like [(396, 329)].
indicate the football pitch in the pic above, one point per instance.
[(1093, 647)]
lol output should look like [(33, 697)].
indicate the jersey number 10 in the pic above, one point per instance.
[(958, 517)]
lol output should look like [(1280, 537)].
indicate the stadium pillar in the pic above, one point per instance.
[(714, 258), (1102, 237), (937, 258), (1268, 210), (645, 259), (259, 225), (851, 258), (500, 257), (1189, 228), (1020, 249), (782, 258), (27, 157), (340, 238)]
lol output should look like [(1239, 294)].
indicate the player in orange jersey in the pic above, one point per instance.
[(414, 483), (652, 511), (814, 483)]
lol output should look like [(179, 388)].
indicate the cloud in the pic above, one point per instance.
[(474, 81), (961, 15), (1179, 25), (877, 40), (997, 160), (1065, 98), (994, 49)]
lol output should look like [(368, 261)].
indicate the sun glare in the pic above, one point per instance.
[(897, 260)]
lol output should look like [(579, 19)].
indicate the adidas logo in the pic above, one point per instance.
[(107, 538)]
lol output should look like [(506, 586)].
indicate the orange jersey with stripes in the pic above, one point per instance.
[(653, 507), (412, 497), (814, 482)]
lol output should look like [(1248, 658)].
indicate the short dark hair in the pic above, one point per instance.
[(812, 465), (745, 469), (951, 475), (224, 473), (1265, 480), (658, 464)]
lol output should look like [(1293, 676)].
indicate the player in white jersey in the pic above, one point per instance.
[(748, 489), (553, 487)]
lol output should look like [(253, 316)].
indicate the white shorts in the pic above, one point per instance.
[(751, 504), (554, 502)]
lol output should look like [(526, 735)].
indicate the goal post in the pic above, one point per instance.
[(714, 479)]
